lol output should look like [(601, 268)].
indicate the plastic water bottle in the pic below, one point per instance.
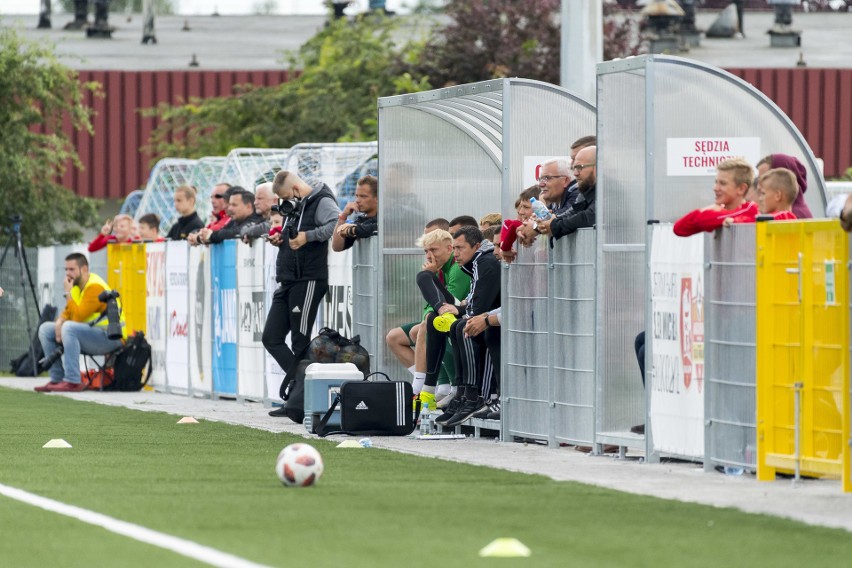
[(733, 470), (540, 210), (425, 421)]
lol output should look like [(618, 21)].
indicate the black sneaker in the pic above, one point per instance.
[(467, 409), (494, 409), (450, 410), (280, 412), (489, 407)]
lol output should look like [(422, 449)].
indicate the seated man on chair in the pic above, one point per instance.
[(81, 328)]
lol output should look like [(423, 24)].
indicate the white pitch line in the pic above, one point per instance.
[(180, 546)]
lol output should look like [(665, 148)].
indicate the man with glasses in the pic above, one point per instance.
[(582, 213), (218, 216), (302, 269)]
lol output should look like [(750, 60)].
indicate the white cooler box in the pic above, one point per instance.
[(322, 383)]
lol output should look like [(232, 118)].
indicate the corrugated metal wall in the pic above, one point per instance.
[(114, 166), (819, 102)]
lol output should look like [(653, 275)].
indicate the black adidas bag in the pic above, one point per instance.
[(380, 408), (129, 364)]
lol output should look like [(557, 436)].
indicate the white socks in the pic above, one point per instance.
[(417, 383)]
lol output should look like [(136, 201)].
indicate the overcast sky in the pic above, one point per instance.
[(224, 6)]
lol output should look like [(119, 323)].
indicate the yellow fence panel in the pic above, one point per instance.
[(803, 349), (126, 266)]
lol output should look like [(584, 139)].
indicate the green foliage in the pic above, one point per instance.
[(344, 69), (489, 39), (38, 94)]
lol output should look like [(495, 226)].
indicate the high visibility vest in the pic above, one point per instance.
[(77, 296)]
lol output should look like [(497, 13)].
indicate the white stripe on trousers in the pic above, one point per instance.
[(306, 306)]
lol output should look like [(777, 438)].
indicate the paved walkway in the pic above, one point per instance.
[(816, 502)]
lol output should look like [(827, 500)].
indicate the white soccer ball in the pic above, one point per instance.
[(299, 465)]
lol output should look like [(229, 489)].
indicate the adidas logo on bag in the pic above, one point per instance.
[(361, 406), (296, 310)]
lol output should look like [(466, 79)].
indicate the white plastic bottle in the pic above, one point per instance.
[(540, 210), (425, 421)]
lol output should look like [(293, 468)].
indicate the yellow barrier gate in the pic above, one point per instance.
[(126, 273), (802, 350)]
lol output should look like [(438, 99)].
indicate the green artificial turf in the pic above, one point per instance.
[(215, 484)]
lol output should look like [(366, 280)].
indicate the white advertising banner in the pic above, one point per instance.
[(677, 333), (47, 276), (177, 310), (274, 373), (700, 156), (155, 285), (199, 321), (532, 167), (336, 309), (251, 317)]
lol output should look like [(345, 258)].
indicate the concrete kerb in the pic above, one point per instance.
[(814, 502)]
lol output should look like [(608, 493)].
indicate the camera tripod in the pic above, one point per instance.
[(23, 265)]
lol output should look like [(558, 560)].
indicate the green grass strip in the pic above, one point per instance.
[(215, 484)]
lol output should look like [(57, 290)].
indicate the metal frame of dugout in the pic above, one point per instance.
[(463, 150), (647, 106)]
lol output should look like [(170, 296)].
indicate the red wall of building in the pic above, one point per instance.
[(819, 101), (114, 166)]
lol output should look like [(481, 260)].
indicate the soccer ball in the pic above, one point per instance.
[(299, 465)]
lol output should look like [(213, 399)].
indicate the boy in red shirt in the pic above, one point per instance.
[(776, 192), (733, 178)]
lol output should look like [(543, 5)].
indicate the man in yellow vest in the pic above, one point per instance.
[(80, 328)]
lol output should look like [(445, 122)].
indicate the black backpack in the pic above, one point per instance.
[(327, 347), (23, 366), (130, 362)]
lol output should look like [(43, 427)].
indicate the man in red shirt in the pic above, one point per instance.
[(218, 216), (733, 178)]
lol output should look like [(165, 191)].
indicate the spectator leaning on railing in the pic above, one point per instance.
[(264, 200), (218, 214), (149, 228), (117, 230), (240, 210), (365, 223), (189, 221)]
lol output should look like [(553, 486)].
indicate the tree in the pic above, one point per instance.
[(489, 39), (38, 94), (344, 69)]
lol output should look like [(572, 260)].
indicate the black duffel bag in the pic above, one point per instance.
[(373, 408)]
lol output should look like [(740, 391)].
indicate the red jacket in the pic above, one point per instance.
[(782, 216), (508, 233), (221, 220), (699, 221), (102, 241)]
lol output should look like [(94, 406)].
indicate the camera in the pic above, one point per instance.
[(47, 362), (291, 210), (110, 298)]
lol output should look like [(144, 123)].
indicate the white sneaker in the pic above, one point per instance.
[(443, 402)]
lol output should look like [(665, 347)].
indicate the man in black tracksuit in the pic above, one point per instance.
[(302, 270), (475, 256)]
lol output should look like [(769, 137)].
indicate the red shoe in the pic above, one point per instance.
[(65, 386), (46, 388)]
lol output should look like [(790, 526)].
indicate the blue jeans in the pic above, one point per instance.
[(77, 338)]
